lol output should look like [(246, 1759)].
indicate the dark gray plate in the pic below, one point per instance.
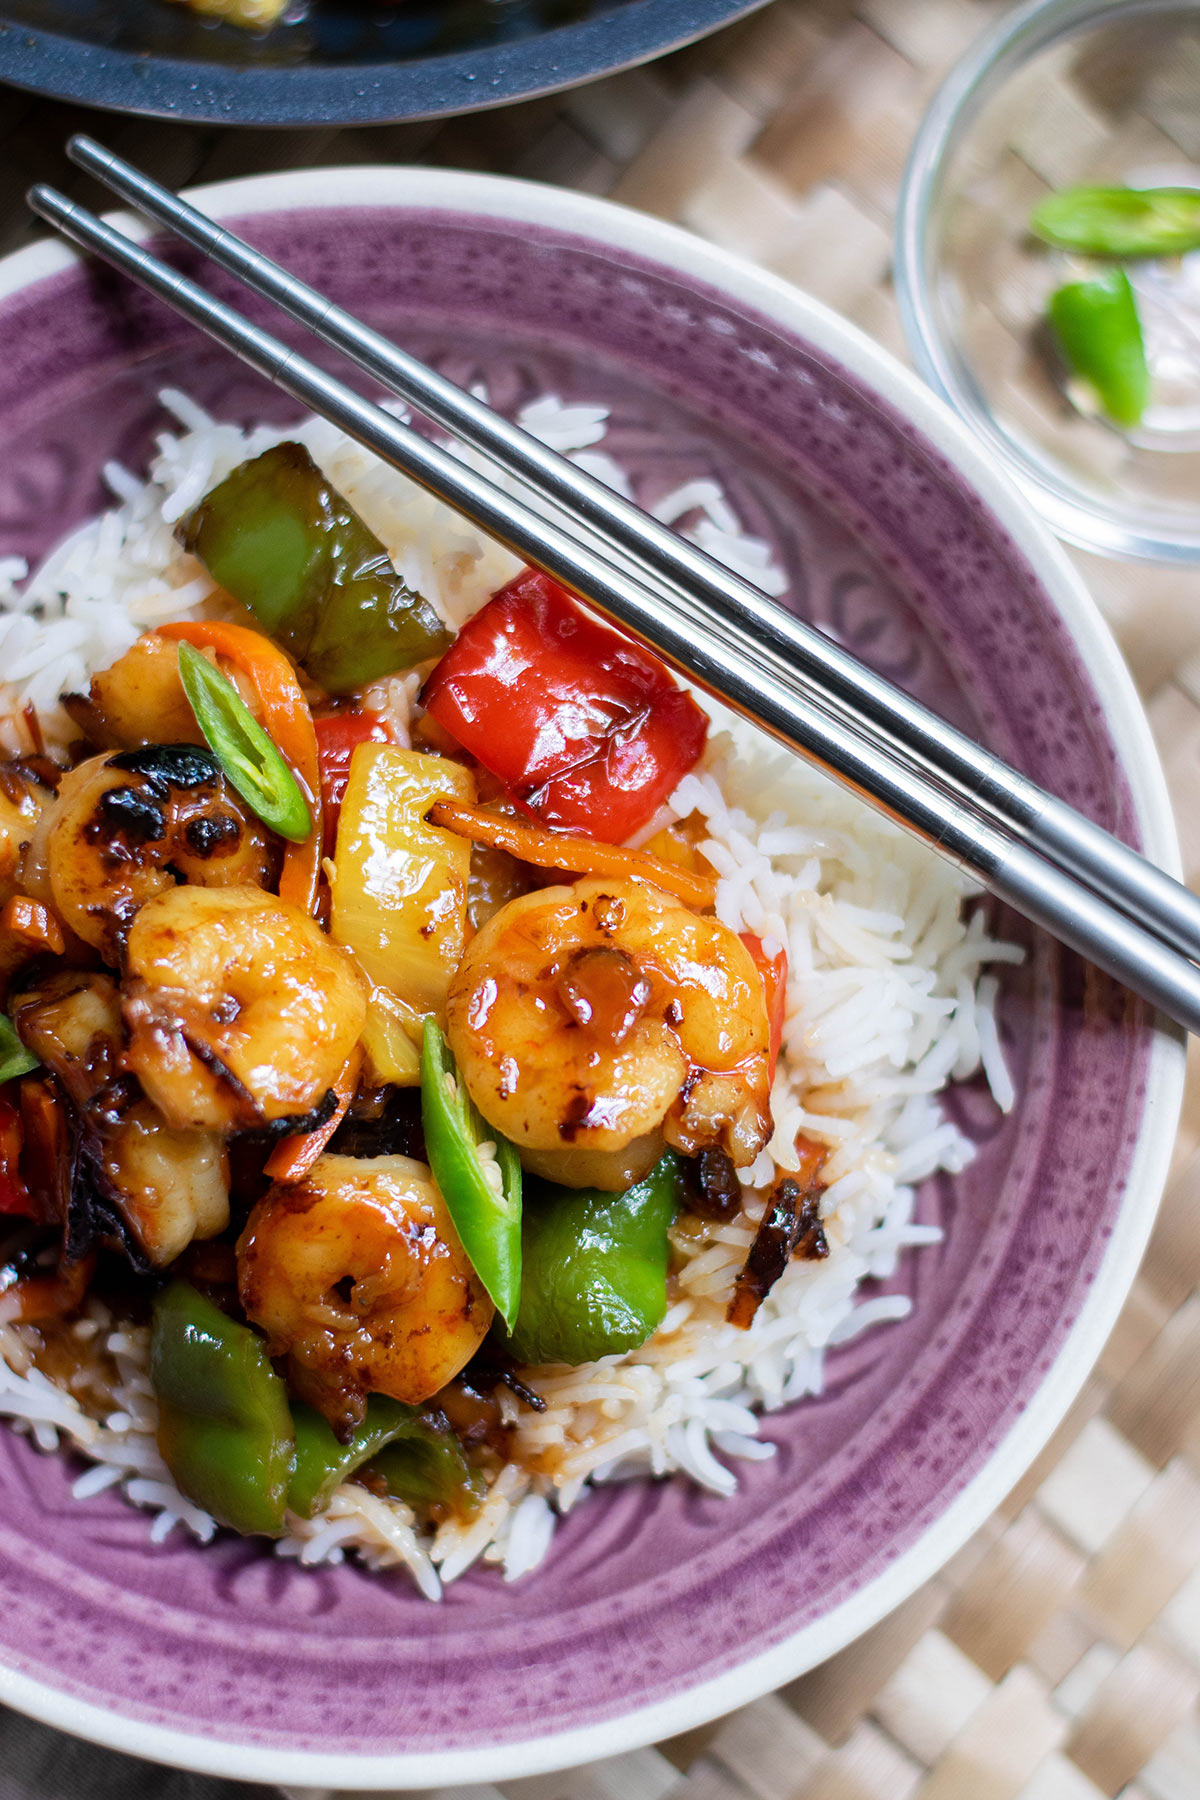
[(346, 62)]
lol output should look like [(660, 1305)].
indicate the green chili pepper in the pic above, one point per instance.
[(224, 1429), (1100, 333), (286, 544), (15, 1059), (243, 749), (594, 1268), (425, 1466), (486, 1218), (1121, 221), (322, 1464)]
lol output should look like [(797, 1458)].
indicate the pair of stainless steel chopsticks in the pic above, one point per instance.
[(1029, 848)]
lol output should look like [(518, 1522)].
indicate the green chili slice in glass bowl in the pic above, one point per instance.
[(1097, 326), (1120, 221)]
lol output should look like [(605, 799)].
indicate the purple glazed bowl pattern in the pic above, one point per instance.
[(650, 1588)]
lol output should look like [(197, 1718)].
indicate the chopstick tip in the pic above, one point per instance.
[(86, 151), (47, 201)]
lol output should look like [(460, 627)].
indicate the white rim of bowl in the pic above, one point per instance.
[(987, 65), (602, 221)]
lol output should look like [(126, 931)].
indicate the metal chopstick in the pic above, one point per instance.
[(999, 793), (1008, 867)]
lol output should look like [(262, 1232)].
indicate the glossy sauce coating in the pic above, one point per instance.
[(358, 1277), (596, 1019)]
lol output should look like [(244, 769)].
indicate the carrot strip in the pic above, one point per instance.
[(577, 855), (287, 719), (291, 1159), (773, 970), (34, 922)]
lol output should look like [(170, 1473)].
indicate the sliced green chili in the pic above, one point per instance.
[(1100, 333), (15, 1059), (1121, 221), (243, 749), (486, 1213)]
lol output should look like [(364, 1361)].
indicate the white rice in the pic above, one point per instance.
[(887, 1003)]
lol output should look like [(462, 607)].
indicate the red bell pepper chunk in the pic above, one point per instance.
[(14, 1195), (586, 729), (338, 736), (773, 970)]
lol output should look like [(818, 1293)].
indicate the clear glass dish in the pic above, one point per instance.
[(1058, 93)]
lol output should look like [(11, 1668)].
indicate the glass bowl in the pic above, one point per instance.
[(1058, 93)]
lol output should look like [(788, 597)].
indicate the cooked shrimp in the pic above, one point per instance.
[(139, 700), (127, 827), (357, 1276), (26, 790), (168, 1186), (591, 1022), (241, 1011), (171, 1186)]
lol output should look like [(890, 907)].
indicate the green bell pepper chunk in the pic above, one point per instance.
[(1121, 221), (15, 1059), (224, 1428), (487, 1218), (594, 1268), (278, 538), (322, 1464), (1100, 333), (426, 1466)]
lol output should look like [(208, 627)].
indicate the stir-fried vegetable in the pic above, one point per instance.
[(56, 1294), (594, 1268), (588, 730), (1121, 221), (286, 544), (478, 1173), (14, 1195), (425, 1466), (410, 1451), (35, 923), (243, 749), (391, 1039), (294, 1157), (773, 970), (322, 1463), (1097, 325), (400, 884), (15, 1059), (790, 1226), (578, 855), (338, 736), (224, 1428), (288, 723)]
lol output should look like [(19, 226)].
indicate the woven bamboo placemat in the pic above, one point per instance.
[(1057, 1657)]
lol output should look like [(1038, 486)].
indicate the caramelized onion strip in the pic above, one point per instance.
[(576, 855)]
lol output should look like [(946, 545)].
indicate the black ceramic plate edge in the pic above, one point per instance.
[(361, 93)]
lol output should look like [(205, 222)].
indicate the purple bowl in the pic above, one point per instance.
[(659, 1606)]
